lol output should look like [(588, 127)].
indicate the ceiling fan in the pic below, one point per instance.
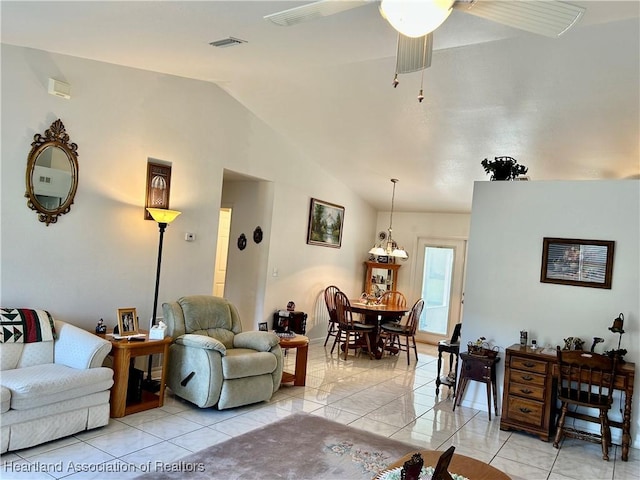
[(415, 20)]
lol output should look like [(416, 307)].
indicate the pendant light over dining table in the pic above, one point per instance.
[(389, 247)]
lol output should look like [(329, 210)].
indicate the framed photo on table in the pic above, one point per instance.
[(583, 263), (127, 321), (326, 222)]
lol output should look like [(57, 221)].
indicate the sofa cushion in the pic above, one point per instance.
[(210, 316), (5, 399), (19, 355), (242, 362), (260, 341), (40, 385), (201, 341)]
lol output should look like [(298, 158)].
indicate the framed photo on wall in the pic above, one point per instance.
[(584, 263), (158, 187), (127, 321), (326, 221)]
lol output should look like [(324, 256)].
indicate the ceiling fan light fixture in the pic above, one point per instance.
[(415, 18)]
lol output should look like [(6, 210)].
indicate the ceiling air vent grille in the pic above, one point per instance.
[(227, 42)]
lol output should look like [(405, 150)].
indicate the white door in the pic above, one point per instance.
[(222, 249), (441, 285)]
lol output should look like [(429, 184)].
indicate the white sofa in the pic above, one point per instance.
[(51, 389)]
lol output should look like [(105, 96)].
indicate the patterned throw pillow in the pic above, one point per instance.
[(23, 325)]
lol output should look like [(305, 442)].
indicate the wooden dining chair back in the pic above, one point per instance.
[(395, 299), (393, 332), (585, 380), (330, 302), (347, 328)]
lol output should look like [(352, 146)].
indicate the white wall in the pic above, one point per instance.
[(102, 255), (503, 292), (251, 204)]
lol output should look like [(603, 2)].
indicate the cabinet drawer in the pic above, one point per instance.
[(526, 390), (526, 378), (525, 411), (522, 363)]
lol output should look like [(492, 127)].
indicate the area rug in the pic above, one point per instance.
[(301, 447)]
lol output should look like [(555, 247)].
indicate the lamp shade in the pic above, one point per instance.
[(618, 325), (162, 215), (378, 251), (399, 253), (415, 18)]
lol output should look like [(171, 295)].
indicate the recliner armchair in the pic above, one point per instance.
[(212, 362)]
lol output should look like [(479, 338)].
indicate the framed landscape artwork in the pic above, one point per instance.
[(326, 221), (585, 263)]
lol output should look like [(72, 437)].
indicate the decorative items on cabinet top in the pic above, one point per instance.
[(503, 168), (482, 348), (52, 173)]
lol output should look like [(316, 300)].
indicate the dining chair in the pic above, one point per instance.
[(585, 380), (396, 299), (393, 331), (393, 297), (347, 327), (329, 300)]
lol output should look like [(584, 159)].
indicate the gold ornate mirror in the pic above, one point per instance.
[(52, 173)]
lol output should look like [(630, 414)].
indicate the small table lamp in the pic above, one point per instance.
[(617, 327)]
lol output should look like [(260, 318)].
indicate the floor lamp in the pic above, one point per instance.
[(164, 217)]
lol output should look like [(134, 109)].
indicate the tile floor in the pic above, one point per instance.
[(385, 396)]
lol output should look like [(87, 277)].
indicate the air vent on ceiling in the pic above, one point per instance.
[(227, 42)]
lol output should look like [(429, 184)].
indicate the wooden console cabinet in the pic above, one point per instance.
[(529, 397)]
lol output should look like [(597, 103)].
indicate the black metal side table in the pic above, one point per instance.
[(480, 369), (450, 379)]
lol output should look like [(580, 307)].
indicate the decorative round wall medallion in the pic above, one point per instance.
[(257, 235), (242, 241), (382, 235)]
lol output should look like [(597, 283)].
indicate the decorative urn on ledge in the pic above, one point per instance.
[(503, 168)]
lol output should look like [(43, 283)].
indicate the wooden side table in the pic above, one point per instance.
[(480, 369), (122, 352), (450, 380), (301, 344)]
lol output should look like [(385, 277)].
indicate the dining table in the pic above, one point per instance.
[(376, 314)]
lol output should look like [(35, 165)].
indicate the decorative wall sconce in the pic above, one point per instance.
[(158, 187)]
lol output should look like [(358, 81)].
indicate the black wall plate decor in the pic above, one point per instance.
[(242, 241), (257, 235)]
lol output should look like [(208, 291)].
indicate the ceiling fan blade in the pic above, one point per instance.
[(548, 18), (414, 53), (311, 11)]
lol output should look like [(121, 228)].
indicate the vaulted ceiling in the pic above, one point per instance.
[(567, 108)]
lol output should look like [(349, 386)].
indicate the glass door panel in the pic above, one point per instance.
[(441, 286)]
